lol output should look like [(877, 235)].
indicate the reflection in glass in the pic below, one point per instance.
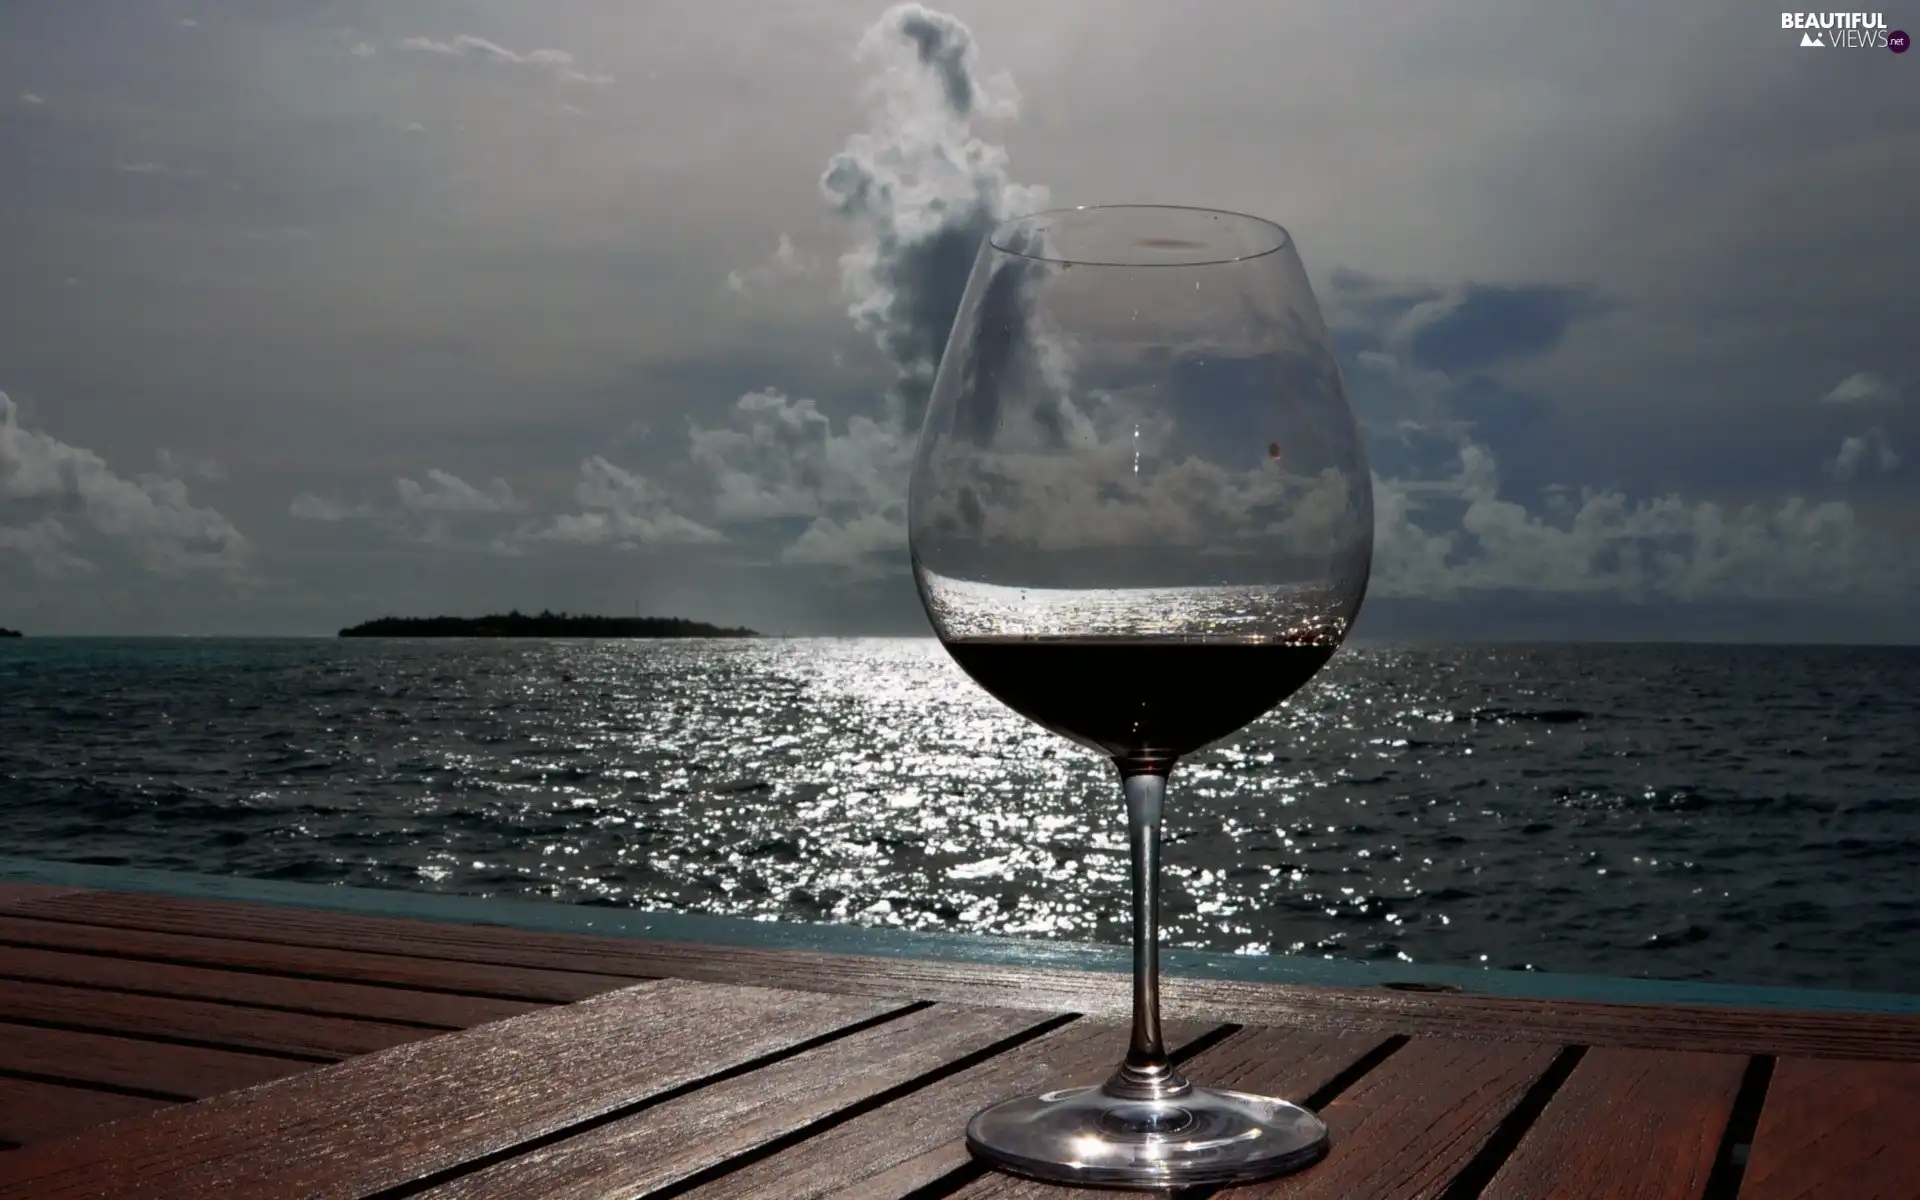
[(1141, 516)]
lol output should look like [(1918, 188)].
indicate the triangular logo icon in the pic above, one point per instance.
[(1812, 39)]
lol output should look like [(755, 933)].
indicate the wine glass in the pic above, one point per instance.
[(1141, 516)]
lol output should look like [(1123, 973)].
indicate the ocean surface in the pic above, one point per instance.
[(1736, 814)]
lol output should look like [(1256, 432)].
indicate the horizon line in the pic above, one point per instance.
[(1361, 641)]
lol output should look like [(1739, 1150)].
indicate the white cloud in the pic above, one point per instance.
[(785, 262), (308, 507), (1870, 449), (621, 508), (858, 547), (32, 99), (362, 50), (1860, 388), (922, 189), (1602, 543), (431, 510), (152, 516), (45, 543), (1455, 535), (187, 23), (466, 45), (444, 492), (142, 168), (781, 458)]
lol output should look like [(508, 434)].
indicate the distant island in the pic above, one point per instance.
[(11, 633), (546, 624)]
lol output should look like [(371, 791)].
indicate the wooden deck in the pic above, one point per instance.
[(337, 1055)]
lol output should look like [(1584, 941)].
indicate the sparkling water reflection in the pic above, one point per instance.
[(1700, 813)]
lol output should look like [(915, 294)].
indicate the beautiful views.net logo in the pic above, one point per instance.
[(1849, 31)]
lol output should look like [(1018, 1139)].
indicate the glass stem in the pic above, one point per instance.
[(1146, 1074)]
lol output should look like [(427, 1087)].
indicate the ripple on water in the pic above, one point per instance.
[(1689, 812)]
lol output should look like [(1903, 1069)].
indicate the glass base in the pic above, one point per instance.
[(1205, 1136)]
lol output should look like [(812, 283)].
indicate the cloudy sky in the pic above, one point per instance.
[(316, 311)]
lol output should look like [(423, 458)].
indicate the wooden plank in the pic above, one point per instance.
[(1326, 1010), (325, 928), (1627, 1123), (1414, 1122), (439, 1010), (1269, 1062), (34, 1112), (164, 1070), (1286, 1063), (358, 966), (920, 1137), (203, 1021), (668, 1143), (1850, 1131), (384, 1120)]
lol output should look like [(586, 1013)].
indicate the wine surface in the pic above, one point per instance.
[(1139, 700)]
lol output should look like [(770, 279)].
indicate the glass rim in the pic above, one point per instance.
[(997, 238)]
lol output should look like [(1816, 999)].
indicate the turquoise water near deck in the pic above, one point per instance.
[(892, 943)]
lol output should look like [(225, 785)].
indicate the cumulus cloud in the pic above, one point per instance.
[(362, 50), (780, 458), (922, 190), (439, 508), (919, 188), (1599, 542), (785, 262), (1860, 452), (1452, 533), (32, 99), (621, 508), (46, 544), (557, 62), (328, 510), (151, 516), (1860, 388), (443, 492)]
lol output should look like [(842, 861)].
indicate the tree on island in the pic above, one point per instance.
[(547, 624), (4, 632)]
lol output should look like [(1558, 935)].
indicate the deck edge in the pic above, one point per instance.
[(740, 932)]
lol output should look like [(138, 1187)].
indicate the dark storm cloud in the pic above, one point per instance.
[(945, 45), (924, 191), (1464, 327), (1488, 324)]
